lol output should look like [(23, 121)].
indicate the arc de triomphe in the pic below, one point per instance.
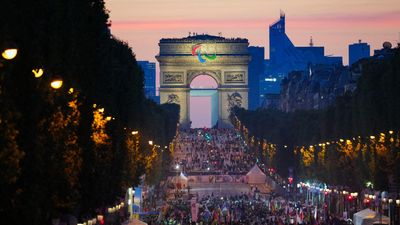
[(225, 60)]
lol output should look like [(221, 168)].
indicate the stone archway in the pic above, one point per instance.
[(203, 111), (225, 60)]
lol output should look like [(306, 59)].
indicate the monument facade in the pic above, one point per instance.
[(225, 60)]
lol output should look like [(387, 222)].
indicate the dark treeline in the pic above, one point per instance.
[(71, 150), (372, 109)]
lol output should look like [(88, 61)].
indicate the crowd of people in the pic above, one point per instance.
[(242, 209), (223, 151), (211, 150)]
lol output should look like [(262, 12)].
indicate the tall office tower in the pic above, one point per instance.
[(149, 69), (280, 45), (285, 57), (358, 51), (256, 71)]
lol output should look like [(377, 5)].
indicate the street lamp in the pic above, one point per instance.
[(9, 50), (9, 53), (150, 142), (56, 83), (135, 132), (38, 72)]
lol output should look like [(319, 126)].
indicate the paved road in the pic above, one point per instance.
[(218, 189)]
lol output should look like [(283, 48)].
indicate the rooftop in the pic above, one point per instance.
[(203, 38)]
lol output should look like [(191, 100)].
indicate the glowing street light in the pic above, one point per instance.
[(37, 72), (108, 118), (9, 53), (56, 83), (150, 142), (135, 132)]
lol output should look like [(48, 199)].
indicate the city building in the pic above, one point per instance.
[(386, 52), (285, 57), (271, 101), (358, 51), (149, 70), (316, 88), (256, 71)]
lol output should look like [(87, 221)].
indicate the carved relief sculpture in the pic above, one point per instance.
[(235, 99), (173, 98), (173, 77), (234, 77)]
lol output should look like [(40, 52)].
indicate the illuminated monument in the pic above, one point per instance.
[(225, 60)]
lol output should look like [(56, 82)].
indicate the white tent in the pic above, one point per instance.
[(256, 176), (368, 217)]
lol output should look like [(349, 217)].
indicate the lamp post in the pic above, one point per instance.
[(397, 212), (131, 192), (56, 83), (390, 204), (9, 50), (38, 72)]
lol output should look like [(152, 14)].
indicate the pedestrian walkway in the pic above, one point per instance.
[(220, 151)]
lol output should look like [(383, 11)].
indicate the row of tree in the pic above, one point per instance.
[(72, 150), (331, 145)]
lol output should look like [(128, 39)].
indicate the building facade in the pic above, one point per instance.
[(285, 57), (256, 71), (149, 70), (223, 59), (358, 51)]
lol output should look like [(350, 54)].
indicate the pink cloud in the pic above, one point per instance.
[(382, 20), (179, 24)]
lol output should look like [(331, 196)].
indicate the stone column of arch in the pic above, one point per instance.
[(225, 60)]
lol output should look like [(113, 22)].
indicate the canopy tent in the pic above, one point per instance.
[(180, 181), (256, 176), (368, 217)]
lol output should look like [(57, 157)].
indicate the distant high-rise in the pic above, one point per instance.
[(285, 57), (358, 51), (256, 70), (279, 42), (149, 70)]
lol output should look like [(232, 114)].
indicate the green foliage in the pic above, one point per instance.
[(49, 162), (373, 108)]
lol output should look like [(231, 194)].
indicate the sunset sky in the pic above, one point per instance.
[(332, 23)]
